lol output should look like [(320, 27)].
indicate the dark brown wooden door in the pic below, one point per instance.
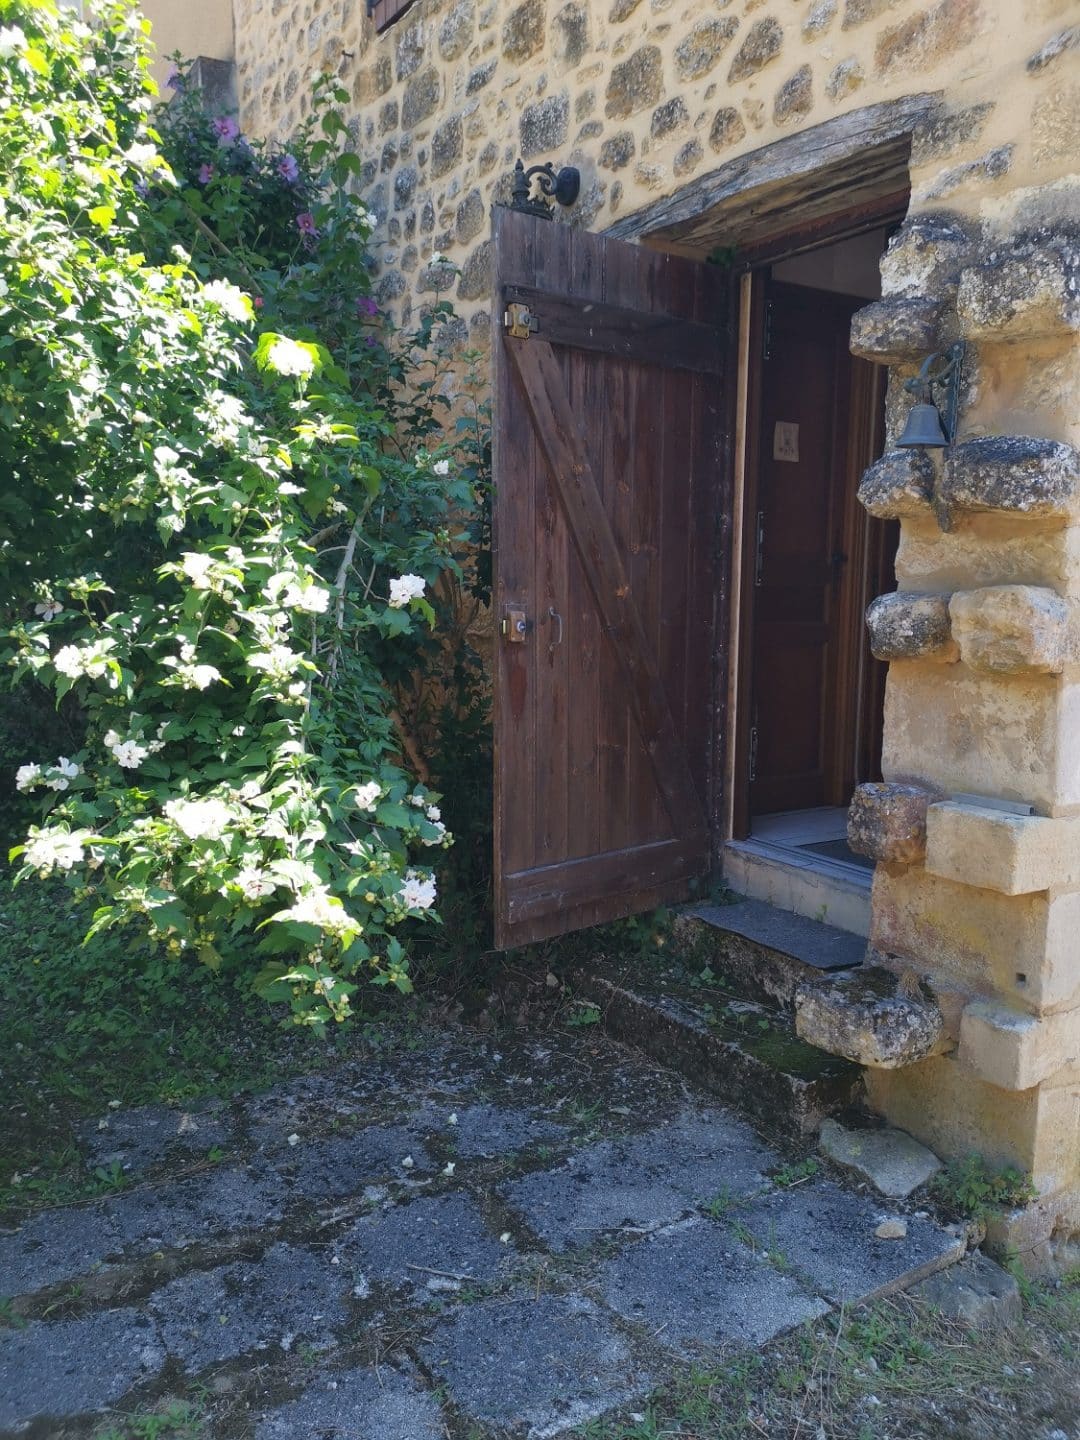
[(819, 428), (606, 538)]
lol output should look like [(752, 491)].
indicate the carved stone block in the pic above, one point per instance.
[(1019, 474), (900, 483), (910, 626), (887, 821), (1011, 629)]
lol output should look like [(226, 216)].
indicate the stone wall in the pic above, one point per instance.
[(643, 95)]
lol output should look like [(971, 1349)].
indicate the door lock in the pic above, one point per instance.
[(515, 626)]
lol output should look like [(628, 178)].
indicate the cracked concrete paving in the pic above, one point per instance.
[(463, 1238)]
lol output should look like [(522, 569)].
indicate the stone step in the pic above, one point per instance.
[(745, 1054), (761, 953)]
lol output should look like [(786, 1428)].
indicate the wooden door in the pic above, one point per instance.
[(819, 427), (606, 538)]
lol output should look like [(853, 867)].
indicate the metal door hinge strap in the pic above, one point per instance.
[(519, 321)]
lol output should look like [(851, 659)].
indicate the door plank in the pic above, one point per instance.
[(559, 436), (649, 336), (568, 883)]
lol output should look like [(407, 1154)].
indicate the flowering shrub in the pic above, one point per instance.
[(215, 546)]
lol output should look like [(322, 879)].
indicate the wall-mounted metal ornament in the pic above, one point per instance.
[(562, 186), (931, 422)]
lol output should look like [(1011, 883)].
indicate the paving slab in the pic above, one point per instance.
[(828, 1233), (290, 1295), (643, 1182), (977, 1293), (428, 1245), (218, 1202), (69, 1367), (892, 1160), (697, 1286), (357, 1405), (480, 1132), (345, 1164), (56, 1245), (147, 1135), (811, 941), (542, 1366)]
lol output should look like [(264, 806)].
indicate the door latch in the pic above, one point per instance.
[(515, 626), (519, 321)]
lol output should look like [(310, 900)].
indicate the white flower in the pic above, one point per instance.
[(142, 154), (229, 298), (198, 677), (61, 774), (404, 589), (255, 884), (449, 1167), (319, 908), (452, 1120), (27, 776), (199, 819), (48, 609), (12, 41), (441, 467), (130, 754), (288, 358), (367, 796), (55, 849), (313, 600), (165, 457), (438, 258), (364, 216), (433, 812), (408, 1163), (418, 892), (197, 568), (278, 661), (71, 661), (417, 800), (440, 836)]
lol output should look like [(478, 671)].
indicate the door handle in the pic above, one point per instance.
[(558, 619)]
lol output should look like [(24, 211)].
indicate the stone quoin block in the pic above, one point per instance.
[(998, 850), (1013, 474), (897, 331), (1021, 296), (871, 1019), (1014, 1050), (909, 626), (1011, 629), (927, 254), (900, 484), (887, 821)]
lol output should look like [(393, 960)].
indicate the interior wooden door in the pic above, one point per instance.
[(801, 691), (607, 465)]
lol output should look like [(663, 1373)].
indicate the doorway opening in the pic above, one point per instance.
[(810, 696)]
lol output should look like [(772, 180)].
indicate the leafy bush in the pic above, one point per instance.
[(974, 1188), (221, 527)]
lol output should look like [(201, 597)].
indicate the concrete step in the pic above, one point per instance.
[(761, 953), (745, 1054)]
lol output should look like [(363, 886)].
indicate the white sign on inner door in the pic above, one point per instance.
[(785, 445)]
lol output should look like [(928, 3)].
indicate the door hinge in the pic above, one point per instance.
[(759, 548), (766, 332), (519, 321), (753, 752)]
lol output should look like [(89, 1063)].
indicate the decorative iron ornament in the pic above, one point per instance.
[(562, 186), (931, 422)]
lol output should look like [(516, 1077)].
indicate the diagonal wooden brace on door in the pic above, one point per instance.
[(563, 444)]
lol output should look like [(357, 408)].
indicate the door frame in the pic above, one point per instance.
[(745, 365)]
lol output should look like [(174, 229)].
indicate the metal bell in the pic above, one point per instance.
[(923, 428)]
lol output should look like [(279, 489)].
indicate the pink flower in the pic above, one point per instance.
[(206, 174), (259, 302), (226, 129), (288, 169), (366, 306), (305, 223)]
